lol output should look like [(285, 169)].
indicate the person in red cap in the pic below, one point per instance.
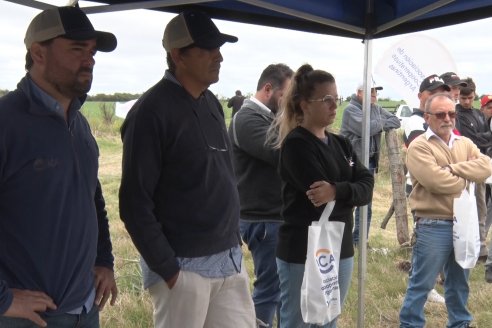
[(486, 109), (56, 265), (471, 123), (178, 195)]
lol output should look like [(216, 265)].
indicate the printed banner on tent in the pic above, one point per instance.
[(404, 65)]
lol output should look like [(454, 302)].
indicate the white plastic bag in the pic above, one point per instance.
[(320, 293), (466, 234)]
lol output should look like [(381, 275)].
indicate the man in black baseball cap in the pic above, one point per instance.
[(454, 82), (194, 28), (58, 270), (433, 83), (178, 126), (472, 124), (56, 29), (416, 125), (70, 23)]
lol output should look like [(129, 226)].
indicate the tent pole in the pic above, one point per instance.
[(362, 246), (366, 120)]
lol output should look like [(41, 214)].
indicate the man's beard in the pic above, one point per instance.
[(73, 87), (273, 105)]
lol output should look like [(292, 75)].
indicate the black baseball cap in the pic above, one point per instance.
[(433, 82), (68, 22), (193, 28), (452, 79)]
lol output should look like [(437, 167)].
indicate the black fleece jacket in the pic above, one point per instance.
[(178, 195), (471, 123), (304, 159)]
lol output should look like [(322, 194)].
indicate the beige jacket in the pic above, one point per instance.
[(435, 187)]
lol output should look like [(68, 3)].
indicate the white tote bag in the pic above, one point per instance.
[(320, 294), (466, 234)]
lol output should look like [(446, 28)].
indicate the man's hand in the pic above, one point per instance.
[(105, 285), (27, 303)]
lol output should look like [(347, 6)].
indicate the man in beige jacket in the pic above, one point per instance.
[(440, 164)]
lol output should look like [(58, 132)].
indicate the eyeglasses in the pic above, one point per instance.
[(221, 145), (442, 115), (211, 128), (328, 99)]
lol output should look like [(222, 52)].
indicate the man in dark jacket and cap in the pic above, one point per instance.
[(471, 123)]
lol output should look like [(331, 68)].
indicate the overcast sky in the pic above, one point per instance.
[(139, 60)]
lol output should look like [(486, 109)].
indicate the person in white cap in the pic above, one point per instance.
[(56, 266), (178, 195), (351, 128)]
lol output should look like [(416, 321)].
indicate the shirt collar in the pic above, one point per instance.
[(45, 100), (169, 76), (259, 103), (51, 104), (429, 133)]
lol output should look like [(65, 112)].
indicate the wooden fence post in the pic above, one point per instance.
[(398, 185)]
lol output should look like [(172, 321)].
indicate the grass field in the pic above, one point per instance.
[(385, 284)]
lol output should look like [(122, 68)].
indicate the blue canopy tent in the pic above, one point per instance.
[(361, 19), (364, 19)]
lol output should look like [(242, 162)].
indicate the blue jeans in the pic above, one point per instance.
[(83, 320), (355, 234), (261, 238), (433, 251), (290, 275)]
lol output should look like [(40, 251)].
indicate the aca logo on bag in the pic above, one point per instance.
[(325, 260)]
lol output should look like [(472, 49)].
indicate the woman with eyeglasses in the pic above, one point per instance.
[(315, 167)]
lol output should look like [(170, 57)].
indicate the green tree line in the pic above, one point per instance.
[(115, 97)]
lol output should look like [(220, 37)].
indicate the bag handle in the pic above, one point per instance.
[(326, 212), (471, 187)]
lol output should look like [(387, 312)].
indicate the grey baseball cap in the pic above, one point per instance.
[(67, 22), (193, 28)]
